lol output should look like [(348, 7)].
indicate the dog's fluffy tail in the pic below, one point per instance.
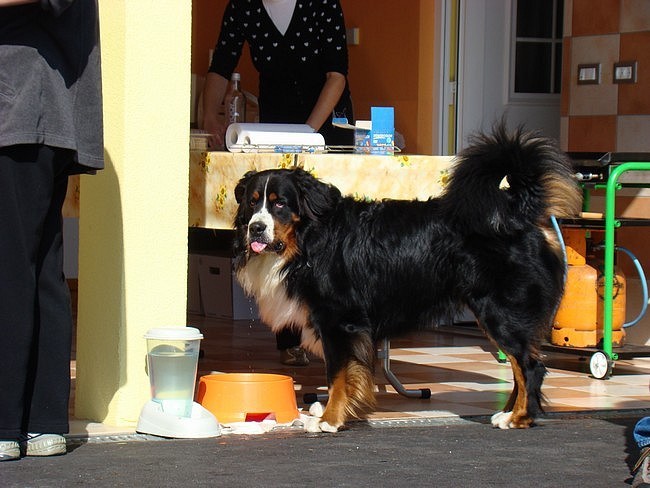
[(504, 182)]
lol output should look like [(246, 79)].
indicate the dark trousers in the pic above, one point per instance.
[(35, 312)]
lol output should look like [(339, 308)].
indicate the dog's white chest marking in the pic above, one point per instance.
[(262, 277)]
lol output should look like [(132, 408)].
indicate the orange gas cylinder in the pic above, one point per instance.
[(618, 306), (579, 319)]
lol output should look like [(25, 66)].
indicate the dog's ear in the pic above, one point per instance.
[(240, 193), (240, 189), (316, 198)]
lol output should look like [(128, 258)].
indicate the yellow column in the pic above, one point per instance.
[(133, 215), (428, 76)]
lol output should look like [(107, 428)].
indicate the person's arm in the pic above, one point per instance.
[(327, 100), (214, 90), (334, 60), (226, 55)]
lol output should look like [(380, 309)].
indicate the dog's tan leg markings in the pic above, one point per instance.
[(351, 395), (501, 419), (515, 413), (360, 386), (520, 418), (334, 414)]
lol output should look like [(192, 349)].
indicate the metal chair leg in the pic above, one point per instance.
[(383, 353)]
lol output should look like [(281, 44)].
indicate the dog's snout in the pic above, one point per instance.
[(256, 228)]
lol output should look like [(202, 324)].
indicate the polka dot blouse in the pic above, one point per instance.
[(314, 41)]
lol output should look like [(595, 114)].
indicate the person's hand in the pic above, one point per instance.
[(216, 129), (214, 90)]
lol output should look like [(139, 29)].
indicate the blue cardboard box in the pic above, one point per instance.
[(375, 136), (378, 135), (383, 129)]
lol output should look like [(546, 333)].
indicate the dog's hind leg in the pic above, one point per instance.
[(525, 400), (515, 412), (350, 379), (519, 345)]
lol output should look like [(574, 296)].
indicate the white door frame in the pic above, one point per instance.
[(482, 89)]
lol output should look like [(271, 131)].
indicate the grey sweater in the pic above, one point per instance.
[(50, 79)]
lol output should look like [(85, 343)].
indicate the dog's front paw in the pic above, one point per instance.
[(315, 423), (326, 427), (502, 420), (312, 424)]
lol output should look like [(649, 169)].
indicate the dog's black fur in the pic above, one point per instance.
[(349, 273)]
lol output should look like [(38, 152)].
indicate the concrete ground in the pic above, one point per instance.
[(563, 450)]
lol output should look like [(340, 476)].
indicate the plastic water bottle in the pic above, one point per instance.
[(235, 101)]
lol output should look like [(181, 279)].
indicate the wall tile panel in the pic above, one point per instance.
[(633, 133), (635, 15), (634, 99), (592, 134), (599, 99), (595, 17)]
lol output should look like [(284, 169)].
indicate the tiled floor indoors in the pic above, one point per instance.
[(460, 369)]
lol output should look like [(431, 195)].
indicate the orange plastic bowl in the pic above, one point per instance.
[(240, 397)]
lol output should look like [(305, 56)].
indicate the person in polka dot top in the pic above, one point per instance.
[(299, 49)]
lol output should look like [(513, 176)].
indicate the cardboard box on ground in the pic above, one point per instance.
[(213, 291)]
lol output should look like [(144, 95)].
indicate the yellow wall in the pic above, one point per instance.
[(133, 217), (429, 80)]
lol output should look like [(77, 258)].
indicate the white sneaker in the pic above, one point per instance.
[(45, 445), (9, 450)]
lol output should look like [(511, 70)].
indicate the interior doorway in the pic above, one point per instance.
[(501, 58)]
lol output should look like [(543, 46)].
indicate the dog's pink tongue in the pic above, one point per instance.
[(258, 246)]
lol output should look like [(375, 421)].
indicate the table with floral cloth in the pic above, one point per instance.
[(214, 175)]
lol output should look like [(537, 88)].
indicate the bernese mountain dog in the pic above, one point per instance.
[(349, 273)]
